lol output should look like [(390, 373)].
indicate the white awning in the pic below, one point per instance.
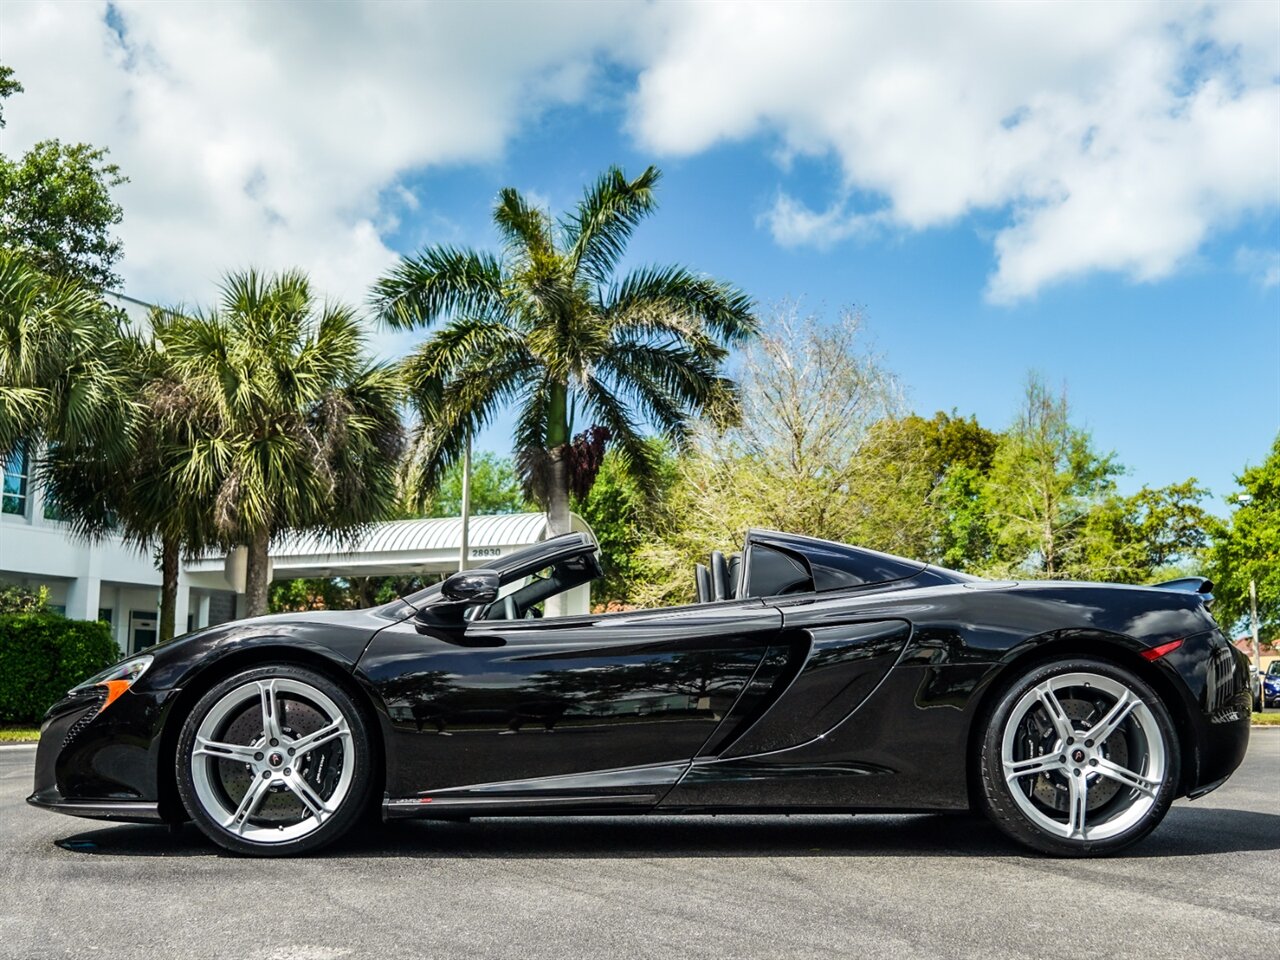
[(397, 547)]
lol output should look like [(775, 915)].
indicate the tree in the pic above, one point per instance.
[(1144, 537), (56, 208), (141, 497), (8, 87), (302, 431), (818, 451), (60, 376), (623, 515), (957, 454), (1044, 478), (548, 328), (1247, 548)]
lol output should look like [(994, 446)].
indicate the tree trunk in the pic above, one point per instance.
[(255, 577), (169, 549)]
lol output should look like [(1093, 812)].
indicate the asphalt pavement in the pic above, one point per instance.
[(1206, 884)]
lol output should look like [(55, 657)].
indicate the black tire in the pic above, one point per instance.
[(1026, 818), (340, 764)]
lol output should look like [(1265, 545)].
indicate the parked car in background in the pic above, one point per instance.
[(1271, 685)]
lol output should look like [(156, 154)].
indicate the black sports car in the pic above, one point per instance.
[(810, 677)]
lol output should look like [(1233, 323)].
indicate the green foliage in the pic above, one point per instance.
[(60, 373), (495, 488), (17, 599), (56, 210), (1248, 548), (623, 513), (8, 87), (43, 655), (1044, 479), (546, 326), (1144, 538)]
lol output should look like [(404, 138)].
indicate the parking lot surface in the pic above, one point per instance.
[(1206, 884)]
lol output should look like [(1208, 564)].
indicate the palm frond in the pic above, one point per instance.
[(439, 282), (597, 231), (676, 300)]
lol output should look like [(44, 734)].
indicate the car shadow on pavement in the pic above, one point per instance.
[(1187, 831)]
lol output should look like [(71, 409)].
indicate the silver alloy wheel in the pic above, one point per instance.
[(275, 760), (1082, 732)]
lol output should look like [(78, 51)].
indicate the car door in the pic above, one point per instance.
[(604, 707)]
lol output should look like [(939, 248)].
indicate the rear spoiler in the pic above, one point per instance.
[(1201, 585)]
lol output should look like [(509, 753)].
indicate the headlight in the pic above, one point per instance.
[(117, 679)]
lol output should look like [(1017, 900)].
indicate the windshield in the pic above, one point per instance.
[(1274, 669)]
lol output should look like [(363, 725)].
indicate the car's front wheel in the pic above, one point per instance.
[(274, 761), (1079, 758)]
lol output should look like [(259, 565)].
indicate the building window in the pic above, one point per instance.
[(16, 478)]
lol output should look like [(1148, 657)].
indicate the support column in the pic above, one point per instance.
[(182, 606), (120, 621), (202, 610), (83, 598)]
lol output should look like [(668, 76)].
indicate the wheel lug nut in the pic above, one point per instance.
[(287, 771), (275, 742), (1093, 763), (1088, 743), (258, 755), (1062, 759), (266, 774), (1076, 771), (291, 751), (1070, 741)]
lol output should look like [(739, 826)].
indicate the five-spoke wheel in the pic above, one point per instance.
[(274, 760), (1079, 757)]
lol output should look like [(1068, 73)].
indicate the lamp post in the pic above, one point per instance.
[(464, 547), (1242, 499), (1257, 647)]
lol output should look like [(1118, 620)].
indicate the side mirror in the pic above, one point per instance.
[(472, 586), (446, 618)]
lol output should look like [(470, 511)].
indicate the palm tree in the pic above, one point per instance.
[(297, 429), (59, 375), (546, 327), (141, 497)]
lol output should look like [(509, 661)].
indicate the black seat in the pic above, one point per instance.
[(719, 576), (703, 581)]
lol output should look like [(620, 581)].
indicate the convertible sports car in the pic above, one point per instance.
[(810, 677)]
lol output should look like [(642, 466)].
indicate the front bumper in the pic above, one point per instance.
[(102, 763), (122, 811)]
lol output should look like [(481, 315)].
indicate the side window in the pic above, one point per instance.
[(526, 597), (772, 573)]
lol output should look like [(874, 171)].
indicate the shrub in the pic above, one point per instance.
[(16, 599), (42, 656)]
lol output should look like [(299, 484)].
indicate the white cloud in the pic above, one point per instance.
[(279, 134), (274, 134), (1113, 137)]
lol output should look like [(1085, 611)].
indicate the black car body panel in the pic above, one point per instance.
[(841, 680)]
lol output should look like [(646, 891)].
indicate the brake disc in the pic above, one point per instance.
[(1053, 790)]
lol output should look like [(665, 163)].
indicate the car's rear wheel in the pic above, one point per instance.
[(274, 761), (1079, 758)]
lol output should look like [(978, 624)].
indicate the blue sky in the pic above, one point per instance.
[(1089, 192), (1180, 377)]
